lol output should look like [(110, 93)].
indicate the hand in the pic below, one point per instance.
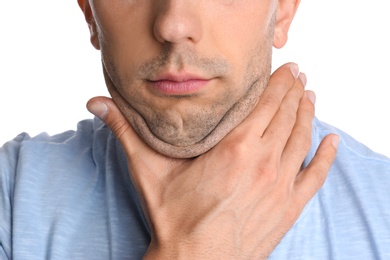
[(239, 199)]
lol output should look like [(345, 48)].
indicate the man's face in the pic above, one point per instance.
[(183, 65)]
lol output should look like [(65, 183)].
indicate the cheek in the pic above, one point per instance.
[(242, 40), (124, 34), (250, 60)]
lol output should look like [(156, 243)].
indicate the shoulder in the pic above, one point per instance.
[(71, 190), (358, 173), (43, 154), (347, 215), (24, 161), (23, 143), (351, 152)]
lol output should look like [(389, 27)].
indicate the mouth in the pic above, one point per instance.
[(178, 84)]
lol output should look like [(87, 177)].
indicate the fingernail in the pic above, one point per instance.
[(335, 141), (99, 109), (294, 70), (311, 96), (302, 77)]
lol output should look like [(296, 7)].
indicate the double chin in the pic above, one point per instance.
[(178, 148), (182, 148)]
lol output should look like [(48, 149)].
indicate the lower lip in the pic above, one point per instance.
[(169, 87)]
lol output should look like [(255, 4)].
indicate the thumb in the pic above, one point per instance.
[(145, 165), (105, 109), (136, 150)]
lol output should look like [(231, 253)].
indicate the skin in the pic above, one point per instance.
[(140, 40), (238, 199)]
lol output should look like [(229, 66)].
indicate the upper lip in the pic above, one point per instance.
[(178, 77)]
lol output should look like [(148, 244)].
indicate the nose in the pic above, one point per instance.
[(177, 21)]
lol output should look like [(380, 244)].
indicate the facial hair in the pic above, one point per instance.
[(163, 132)]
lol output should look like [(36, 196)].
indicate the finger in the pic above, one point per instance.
[(141, 158), (280, 128), (107, 111), (311, 179), (281, 81), (299, 142)]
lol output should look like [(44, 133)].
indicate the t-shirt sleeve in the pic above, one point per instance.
[(9, 154)]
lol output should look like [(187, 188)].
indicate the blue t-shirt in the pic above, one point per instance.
[(69, 196)]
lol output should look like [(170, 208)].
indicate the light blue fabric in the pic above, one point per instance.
[(69, 197)]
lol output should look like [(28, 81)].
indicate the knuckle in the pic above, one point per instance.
[(317, 182), (327, 163), (308, 109), (236, 149), (267, 173), (119, 128), (292, 214), (306, 140), (291, 115), (298, 91), (269, 101), (317, 179)]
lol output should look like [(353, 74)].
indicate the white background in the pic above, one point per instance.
[(48, 69)]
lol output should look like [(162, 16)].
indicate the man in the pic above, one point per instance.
[(212, 146)]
